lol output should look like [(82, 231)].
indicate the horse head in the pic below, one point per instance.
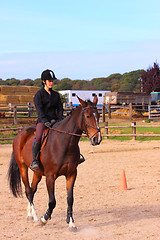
[(90, 120)]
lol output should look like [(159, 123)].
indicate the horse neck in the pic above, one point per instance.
[(74, 122)]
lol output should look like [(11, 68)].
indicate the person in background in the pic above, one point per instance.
[(49, 109)]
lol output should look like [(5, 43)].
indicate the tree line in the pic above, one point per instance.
[(134, 81), (115, 82)]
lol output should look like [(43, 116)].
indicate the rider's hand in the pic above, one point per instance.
[(53, 121), (47, 124)]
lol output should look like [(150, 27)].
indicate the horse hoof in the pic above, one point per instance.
[(43, 220)]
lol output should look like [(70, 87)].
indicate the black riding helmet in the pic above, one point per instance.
[(47, 75)]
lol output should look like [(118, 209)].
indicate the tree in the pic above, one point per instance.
[(66, 84), (63, 98), (38, 82), (150, 79), (129, 81), (12, 82), (115, 82), (126, 85), (27, 82), (2, 82)]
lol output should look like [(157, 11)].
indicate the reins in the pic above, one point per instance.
[(73, 134), (78, 135)]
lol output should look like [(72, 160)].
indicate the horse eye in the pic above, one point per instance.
[(87, 116)]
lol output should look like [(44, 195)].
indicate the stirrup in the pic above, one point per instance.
[(82, 159), (34, 165)]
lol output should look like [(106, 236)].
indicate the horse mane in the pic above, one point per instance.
[(88, 101), (65, 120)]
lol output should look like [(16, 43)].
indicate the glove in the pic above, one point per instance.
[(48, 124), (53, 121)]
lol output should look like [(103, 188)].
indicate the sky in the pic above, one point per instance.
[(78, 39)]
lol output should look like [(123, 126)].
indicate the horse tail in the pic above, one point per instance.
[(14, 177)]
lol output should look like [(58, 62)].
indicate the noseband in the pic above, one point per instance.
[(87, 124)]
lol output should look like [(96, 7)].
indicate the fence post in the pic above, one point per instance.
[(143, 105), (149, 111), (109, 110), (10, 109), (134, 130), (103, 113), (106, 130), (130, 111), (29, 109), (15, 115)]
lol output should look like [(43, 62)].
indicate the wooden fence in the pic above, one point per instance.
[(127, 110), (154, 111), (133, 127), (9, 130), (18, 111), (21, 111), (110, 109), (106, 128), (28, 110)]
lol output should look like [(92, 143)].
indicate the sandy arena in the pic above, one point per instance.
[(101, 210)]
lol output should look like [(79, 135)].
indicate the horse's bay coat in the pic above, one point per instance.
[(59, 156)]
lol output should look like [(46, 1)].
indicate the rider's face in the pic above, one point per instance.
[(49, 83)]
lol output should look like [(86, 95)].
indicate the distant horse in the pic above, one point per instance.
[(59, 155)]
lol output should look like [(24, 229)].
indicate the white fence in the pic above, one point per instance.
[(154, 111)]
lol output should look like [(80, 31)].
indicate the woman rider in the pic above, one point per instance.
[(49, 109)]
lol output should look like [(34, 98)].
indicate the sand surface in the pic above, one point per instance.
[(101, 210)]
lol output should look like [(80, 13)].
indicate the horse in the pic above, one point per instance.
[(59, 155)]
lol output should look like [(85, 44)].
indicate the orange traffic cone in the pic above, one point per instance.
[(123, 183)]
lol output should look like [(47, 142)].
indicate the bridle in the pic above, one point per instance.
[(85, 125)]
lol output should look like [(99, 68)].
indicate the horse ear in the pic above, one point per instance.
[(81, 101), (95, 100)]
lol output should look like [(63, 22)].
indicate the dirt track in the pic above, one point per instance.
[(101, 210)]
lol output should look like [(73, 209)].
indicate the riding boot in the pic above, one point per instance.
[(35, 150), (82, 159)]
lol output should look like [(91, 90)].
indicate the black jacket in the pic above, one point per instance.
[(48, 106)]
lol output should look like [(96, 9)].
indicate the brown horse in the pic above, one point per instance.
[(59, 155)]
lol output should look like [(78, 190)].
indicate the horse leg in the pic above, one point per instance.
[(70, 184), (30, 195), (28, 190), (50, 182)]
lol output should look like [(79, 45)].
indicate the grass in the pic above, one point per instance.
[(148, 130), (7, 134), (139, 130), (120, 130)]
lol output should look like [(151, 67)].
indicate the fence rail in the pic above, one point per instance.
[(27, 111), (134, 133), (106, 128), (112, 109), (108, 108), (154, 111)]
